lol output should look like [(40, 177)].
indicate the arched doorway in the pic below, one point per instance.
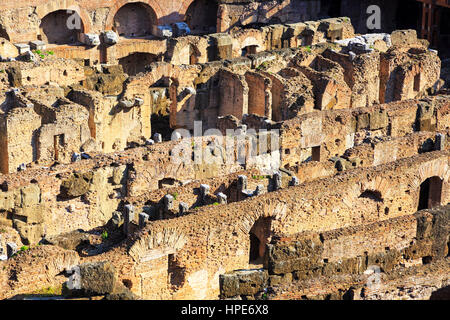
[(61, 27), (137, 62), (134, 20), (259, 235), (201, 16), (430, 195), (369, 207)]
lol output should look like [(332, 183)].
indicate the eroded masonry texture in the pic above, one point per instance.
[(352, 203)]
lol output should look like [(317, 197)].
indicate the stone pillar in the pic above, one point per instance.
[(183, 209), (11, 249), (259, 190), (241, 186), (440, 142), (276, 180), (168, 202), (117, 219), (157, 137), (128, 216), (3, 255), (242, 183), (204, 191), (294, 181), (222, 198), (143, 219)]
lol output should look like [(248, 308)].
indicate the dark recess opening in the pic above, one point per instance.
[(254, 247), (430, 193)]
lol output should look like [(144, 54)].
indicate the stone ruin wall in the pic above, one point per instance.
[(369, 114)]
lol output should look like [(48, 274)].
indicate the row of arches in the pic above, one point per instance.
[(127, 18)]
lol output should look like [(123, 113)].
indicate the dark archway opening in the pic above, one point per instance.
[(176, 273), (444, 34), (137, 62), (409, 16), (259, 238), (134, 20), (56, 27), (330, 8), (201, 16), (3, 33), (253, 49), (430, 193)]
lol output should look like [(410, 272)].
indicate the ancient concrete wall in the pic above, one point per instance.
[(397, 119), (201, 248), (400, 242)]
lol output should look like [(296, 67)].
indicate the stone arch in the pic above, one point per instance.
[(201, 15), (137, 62), (257, 226), (157, 243), (430, 193), (259, 236), (152, 4), (250, 46), (54, 28), (67, 5), (438, 168), (378, 187)]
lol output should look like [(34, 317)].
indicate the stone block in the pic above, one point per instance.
[(378, 120), (222, 198), (243, 282), (163, 31), (117, 219), (440, 142), (90, 39), (76, 186), (69, 241), (33, 214), (183, 208), (404, 37), (143, 219), (259, 190), (30, 233), (157, 137), (362, 121), (22, 47), (276, 181), (92, 279), (204, 190), (38, 45), (168, 202), (110, 37), (242, 183), (31, 195), (294, 181)]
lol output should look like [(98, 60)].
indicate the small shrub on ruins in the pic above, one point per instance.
[(256, 177), (104, 235), (263, 66), (175, 195), (2, 230), (308, 48), (215, 204), (50, 53)]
